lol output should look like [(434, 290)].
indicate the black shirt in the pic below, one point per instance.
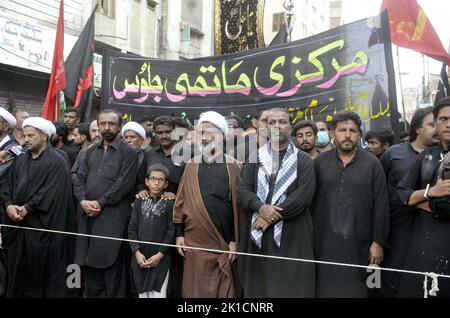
[(351, 210), (215, 191), (429, 250), (353, 199), (397, 160), (108, 177), (97, 178), (72, 151)]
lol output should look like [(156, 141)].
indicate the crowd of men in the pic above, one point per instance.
[(312, 190)]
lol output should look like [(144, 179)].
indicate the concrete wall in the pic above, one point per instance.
[(133, 27), (198, 19)]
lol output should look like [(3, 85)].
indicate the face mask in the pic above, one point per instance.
[(323, 139)]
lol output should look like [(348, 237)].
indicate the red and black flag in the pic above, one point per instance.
[(444, 86), (411, 28), (80, 70)]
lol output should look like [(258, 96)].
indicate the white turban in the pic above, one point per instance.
[(133, 126), (6, 115), (52, 128), (41, 124), (216, 119)]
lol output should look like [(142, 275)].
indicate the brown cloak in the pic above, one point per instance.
[(206, 274)]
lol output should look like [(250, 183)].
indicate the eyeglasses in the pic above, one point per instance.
[(159, 180)]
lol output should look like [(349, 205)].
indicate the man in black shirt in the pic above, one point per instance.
[(397, 160), (60, 141), (72, 117), (350, 211), (379, 140), (427, 188), (164, 126), (276, 193), (104, 185)]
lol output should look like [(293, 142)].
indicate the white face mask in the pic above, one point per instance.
[(323, 139)]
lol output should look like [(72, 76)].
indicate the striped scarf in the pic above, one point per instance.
[(286, 175)]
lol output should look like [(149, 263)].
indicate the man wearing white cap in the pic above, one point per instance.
[(38, 194), (7, 122), (9, 148), (134, 134), (206, 203)]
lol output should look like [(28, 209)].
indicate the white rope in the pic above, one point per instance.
[(434, 285)]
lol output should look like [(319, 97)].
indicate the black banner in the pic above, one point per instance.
[(349, 68), (238, 26)]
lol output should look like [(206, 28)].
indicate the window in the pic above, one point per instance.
[(106, 7), (151, 4), (277, 21), (192, 13)]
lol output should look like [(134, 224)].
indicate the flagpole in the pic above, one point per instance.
[(401, 90)]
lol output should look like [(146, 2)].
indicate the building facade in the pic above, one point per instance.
[(172, 29), (336, 14), (310, 17)]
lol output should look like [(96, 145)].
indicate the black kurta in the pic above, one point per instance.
[(279, 278), (429, 250), (107, 177), (72, 151), (4, 171), (37, 261), (77, 163), (153, 156), (351, 210), (216, 198), (156, 226), (396, 160)]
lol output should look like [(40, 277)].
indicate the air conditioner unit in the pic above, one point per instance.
[(185, 32)]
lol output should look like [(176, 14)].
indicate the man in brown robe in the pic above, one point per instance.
[(206, 215)]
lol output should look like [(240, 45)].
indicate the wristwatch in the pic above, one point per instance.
[(425, 195)]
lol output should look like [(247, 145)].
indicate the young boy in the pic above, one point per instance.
[(151, 221)]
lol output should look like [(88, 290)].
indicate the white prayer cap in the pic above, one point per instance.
[(52, 129), (6, 115), (216, 119), (41, 124), (133, 126)]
